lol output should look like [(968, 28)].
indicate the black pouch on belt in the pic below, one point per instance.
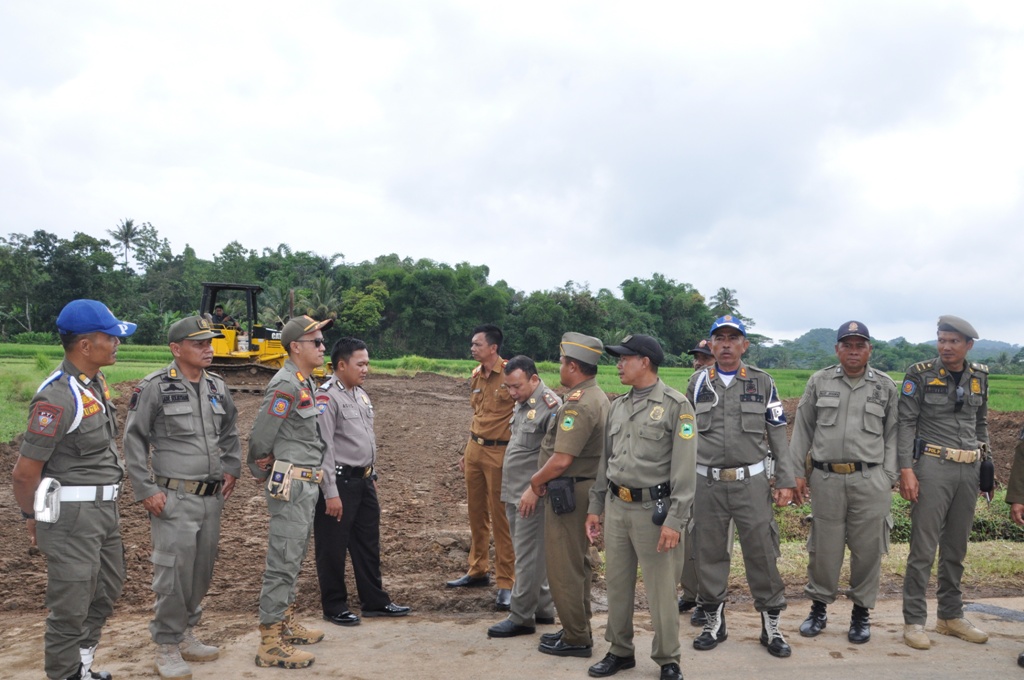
[(562, 492)]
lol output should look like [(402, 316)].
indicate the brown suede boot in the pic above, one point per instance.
[(274, 651), (297, 634)]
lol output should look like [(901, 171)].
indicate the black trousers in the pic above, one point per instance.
[(358, 534)]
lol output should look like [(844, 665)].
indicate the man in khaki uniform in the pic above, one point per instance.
[(187, 417), (571, 454), (644, 489), (286, 446), (533, 417), (485, 452), (702, 358), (846, 422), (1015, 495), (737, 406), (943, 437), (71, 438)]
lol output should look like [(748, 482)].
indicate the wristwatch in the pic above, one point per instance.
[(28, 515)]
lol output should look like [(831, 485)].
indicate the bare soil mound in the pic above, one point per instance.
[(422, 424)]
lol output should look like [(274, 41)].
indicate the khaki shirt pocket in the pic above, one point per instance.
[(937, 398), (874, 418), (703, 412), (650, 442), (828, 411), (614, 432), (92, 436), (752, 416), (178, 419)]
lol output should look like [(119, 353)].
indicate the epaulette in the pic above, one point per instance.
[(674, 394), (170, 372), (752, 369), (550, 399), (575, 396), (218, 376), (711, 372), (981, 368), (881, 374), (922, 366)]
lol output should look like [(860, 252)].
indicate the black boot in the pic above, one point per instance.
[(815, 621), (714, 628), (771, 636), (860, 625), (698, 618)]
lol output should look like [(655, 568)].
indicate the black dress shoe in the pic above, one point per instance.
[(545, 620), (509, 628), (551, 638), (686, 605), (771, 635), (670, 671), (816, 621), (610, 665), (698, 618), (345, 618), (467, 581), (504, 599), (560, 648), (390, 609), (860, 625)]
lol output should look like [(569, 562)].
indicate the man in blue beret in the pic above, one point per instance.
[(70, 447)]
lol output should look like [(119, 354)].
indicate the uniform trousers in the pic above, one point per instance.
[(569, 567), (357, 534), (688, 563), (291, 523), (942, 518), (487, 514), (531, 596), (848, 510), (631, 538), (749, 503), (84, 575), (185, 540)]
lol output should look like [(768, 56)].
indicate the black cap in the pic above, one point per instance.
[(853, 328), (642, 345), (702, 347)]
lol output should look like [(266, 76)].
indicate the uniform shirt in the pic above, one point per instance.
[(648, 443), (286, 423), (346, 421), (194, 436), (732, 421), (491, 402), (842, 422), (1015, 487), (927, 408), (579, 430), (531, 420), (72, 428)]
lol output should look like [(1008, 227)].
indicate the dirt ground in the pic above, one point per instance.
[(422, 426)]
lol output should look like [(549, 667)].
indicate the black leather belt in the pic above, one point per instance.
[(637, 495), (188, 486), (842, 468), (353, 471), (487, 442)]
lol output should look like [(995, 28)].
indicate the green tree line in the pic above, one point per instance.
[(399, 305)]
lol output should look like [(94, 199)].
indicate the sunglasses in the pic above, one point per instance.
[(316, 341)]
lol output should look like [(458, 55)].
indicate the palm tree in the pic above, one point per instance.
[(724, 302), (126, 234), (323, 298)]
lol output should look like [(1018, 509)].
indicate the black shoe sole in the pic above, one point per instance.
[(524, 631), (390, 615), (621, 667), (347, 624), (582, 653)]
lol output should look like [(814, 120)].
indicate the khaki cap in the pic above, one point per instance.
[(580, 347), (192, 328), (299, 326), (948, 322)]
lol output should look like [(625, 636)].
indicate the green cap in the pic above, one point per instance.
[(192, 328), (580, 347)]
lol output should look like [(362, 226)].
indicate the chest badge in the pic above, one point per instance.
[(657, 413), (531, 414)]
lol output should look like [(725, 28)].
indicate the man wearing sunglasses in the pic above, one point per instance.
[(942, 439), (286, 446), (188, 419)]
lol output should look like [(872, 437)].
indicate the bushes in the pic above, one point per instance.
[(991, 522), (35, 338)]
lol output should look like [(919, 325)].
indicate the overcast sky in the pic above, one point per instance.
[(827, 160)]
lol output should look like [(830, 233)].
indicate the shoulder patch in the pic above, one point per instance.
[(909, 388), (567, 423), (280, 405), (686, 426), (135, 398), (321, 402), (44, 419), (575, 396), (550, 399)]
